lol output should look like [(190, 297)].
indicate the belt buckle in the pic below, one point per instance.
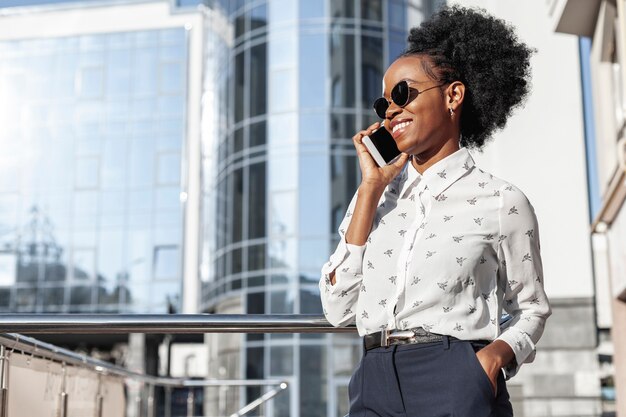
[(384, 334)]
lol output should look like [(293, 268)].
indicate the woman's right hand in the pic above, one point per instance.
[(371, 174)]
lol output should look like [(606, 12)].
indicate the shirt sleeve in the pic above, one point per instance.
[(521, 273), (339, 300)]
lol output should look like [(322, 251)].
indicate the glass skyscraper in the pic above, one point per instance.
[(90, 211), (294, 82)]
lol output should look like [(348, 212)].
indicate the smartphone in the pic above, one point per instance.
[(381, 146)]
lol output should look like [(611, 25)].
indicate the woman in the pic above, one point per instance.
[(433, 249)]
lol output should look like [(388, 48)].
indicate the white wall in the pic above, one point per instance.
[(541, 150)]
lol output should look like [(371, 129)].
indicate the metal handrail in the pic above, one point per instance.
[(10, 342), (167, 323), (32, 346)]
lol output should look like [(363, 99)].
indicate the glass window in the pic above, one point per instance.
[(278, 168), (256, 257), (283, 253), (258, 80), (240, 25), (258, 134), (166, 262), (310, 302), (26, 299), (342, 70), (313, 253), (283, 213), (342, 8), (141, 162), (395, 49), (255, 303), (145, 74), (343, 126), (168, 168), (84, 262), (313, 381), (371, 69), (239, 86), (312, 9), (91, 82), (372, 10), (283, 90), (258, 17), (87, 172), (313, 127), (313, 67), (256, 201), (282, 11), (168, 198), (254, 370), (80, 295), (114, 163), (170, 106), (283, 49), (237, 261), (281, 130), (281, 302), (314, 182), (238, 205), (397, 15), (238, 140), (171, 78), (281, 361)]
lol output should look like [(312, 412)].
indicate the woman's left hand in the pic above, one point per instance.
[(492, 358), (490, 364)]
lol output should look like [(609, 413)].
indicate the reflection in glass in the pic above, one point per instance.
[(310, 301), (312, 9), (313, 183), (239, 86), (313, 127), (283, 213), (313, 70), (281, 302), (283, 90), (166, 261), (238, 205), (258, 17), (372, 10), (254, 370), (281, 361), (313, 381), (283, 253), (258, 134), (342, 8), (282, 11), (342, 70), (258, 80), (256, 257), (371, 69), (256, 201)]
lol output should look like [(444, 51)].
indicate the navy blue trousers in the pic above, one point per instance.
[(439, 379)]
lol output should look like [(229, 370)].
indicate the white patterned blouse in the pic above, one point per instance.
[(449, 250)]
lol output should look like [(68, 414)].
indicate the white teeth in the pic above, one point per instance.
[(401, 125)]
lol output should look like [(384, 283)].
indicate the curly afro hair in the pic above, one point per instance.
[(482, 52)]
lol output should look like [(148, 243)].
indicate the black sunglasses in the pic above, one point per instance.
[(400, 95)]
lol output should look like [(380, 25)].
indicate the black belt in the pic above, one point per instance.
[(400, 337)]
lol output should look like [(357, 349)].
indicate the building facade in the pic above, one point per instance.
[(601, 25)]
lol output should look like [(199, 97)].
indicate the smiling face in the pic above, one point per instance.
[(424, 127)]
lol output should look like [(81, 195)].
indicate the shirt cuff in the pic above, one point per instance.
[(522, 346), (347, 259)]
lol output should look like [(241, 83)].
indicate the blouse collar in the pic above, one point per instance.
[(439, 176)]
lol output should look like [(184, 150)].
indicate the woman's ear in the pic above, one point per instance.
[(455, 95)]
